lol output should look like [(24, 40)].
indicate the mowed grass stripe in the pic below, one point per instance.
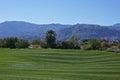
[(57, 64)]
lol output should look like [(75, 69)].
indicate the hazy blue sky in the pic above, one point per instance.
[(104, 12)]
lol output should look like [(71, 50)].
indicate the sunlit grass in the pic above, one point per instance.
[(57, 64)]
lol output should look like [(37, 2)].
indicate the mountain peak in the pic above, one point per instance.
[(17, 23), (117, 25), (14, 22)]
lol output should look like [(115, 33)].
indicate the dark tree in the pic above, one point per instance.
[(50, 39), (2, 43), (10, 42)]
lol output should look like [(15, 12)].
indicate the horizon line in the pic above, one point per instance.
[(55, 23)]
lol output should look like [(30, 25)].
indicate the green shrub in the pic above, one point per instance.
[(21, 43)]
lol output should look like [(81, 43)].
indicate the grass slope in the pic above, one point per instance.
[(50, 64)]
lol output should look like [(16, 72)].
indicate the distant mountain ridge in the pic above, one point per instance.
[(86, 31), (31, 31), (27, 30), (116, 26)]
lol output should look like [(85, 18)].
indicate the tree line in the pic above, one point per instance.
[(51, 42)]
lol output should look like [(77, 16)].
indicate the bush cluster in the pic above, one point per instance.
[(50, 42)]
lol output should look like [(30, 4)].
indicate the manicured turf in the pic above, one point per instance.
[(51, 64)]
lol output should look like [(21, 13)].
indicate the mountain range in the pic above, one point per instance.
[(31, 31)]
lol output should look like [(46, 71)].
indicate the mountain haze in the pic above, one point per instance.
[(86, 31), (27, 30), (31, 31)]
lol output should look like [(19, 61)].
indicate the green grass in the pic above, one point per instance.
[(51, 64)]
